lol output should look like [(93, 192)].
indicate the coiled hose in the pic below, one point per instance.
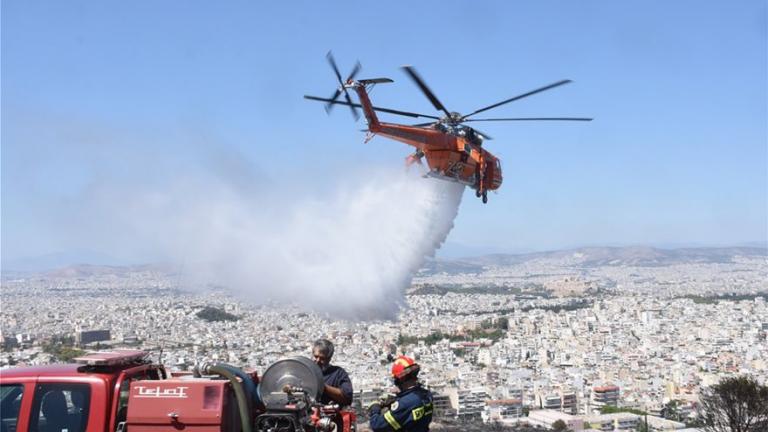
[(232, 373)]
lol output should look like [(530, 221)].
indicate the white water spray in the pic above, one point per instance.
[(350, 253)]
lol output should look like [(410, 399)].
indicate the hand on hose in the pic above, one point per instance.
[(373, 408), (387, 399)]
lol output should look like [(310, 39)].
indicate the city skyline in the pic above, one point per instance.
[(448, 252), (556, 336)]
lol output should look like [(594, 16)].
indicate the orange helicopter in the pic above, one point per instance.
[(454, 151)]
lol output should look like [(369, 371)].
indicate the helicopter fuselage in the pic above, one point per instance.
[(449, 156), (454, 151)]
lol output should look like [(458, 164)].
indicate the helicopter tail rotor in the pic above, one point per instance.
[(342, 88)]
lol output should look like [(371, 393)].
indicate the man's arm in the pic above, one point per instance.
[(343, 393), (377, 421), (338, 395), (393, 419)]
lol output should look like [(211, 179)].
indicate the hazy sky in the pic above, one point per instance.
[(108, 98)]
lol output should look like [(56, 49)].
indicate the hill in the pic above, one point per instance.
[(640, 256)]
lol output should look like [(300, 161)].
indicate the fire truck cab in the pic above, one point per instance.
[(88, 396), (121, 391)]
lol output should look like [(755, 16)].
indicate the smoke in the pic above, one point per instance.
[(349, 252)]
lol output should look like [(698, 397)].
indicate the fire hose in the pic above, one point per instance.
[(243, 402)]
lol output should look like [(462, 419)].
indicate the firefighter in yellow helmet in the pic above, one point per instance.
[(411, 409)]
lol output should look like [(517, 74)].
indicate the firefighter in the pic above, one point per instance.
[(411, 408), (338, 386)]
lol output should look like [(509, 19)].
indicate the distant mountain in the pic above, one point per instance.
[(57, 260), (63, 265), (88, 270), (757, 244), (450, 266), (641, 256), (452, 251)]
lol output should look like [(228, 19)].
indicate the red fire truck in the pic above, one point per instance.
[(121, 391)]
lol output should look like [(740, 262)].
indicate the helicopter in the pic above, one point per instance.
[(453, 150)]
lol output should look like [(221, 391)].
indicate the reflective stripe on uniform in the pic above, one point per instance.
[(418, 413), (421, 411), (391, 420)]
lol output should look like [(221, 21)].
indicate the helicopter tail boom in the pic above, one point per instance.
[(375, 81), (370, 114)]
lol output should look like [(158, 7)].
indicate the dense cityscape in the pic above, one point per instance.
[(595, 337)]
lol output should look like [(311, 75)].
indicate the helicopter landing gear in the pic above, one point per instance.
[(485, 197)]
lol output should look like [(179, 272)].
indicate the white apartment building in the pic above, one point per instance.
[(604, 396), (468, 402), (546, 418)]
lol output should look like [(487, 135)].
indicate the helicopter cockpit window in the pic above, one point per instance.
[(474, 137)]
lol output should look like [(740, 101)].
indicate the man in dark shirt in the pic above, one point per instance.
[(338, 386)]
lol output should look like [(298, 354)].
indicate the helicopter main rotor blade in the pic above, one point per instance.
[(375, 108), (329, 106), (351, 105), (354, 72), (332, 62), (483, 134), (532, 92), (533, 119), (423, 86), (351, 76), (335, 68)]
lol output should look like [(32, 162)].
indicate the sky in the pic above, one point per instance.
[(114, 99)]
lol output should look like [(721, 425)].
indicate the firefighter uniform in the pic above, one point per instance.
[(410, 412)]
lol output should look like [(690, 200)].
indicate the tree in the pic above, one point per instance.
[(212, 314), (559, 426), (671, 410), (736, 404), (607, 409), (642, 426), (63, 353)]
